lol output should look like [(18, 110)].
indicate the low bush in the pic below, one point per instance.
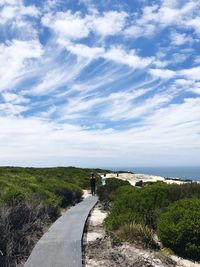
[(138, 234), (68, 194), (161, 207), (12, 193), (112, 184), (20, 226), (30, 199), (179, 228), (139, 183), (144, 205), (136, 205)]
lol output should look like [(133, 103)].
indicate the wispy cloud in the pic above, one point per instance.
[(162, 73), (180, 38), (15, 57), (97, 81), (74, 26)]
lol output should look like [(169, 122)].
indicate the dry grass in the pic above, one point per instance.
[(138, 234), (20, 226)]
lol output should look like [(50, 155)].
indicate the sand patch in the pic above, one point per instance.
[(136, 177), (99, 251), (86, 193)]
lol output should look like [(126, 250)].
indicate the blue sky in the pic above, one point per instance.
[(100, 83)]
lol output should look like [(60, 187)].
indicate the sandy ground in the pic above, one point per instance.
[(98, 250), (133, 178), (86, 193)]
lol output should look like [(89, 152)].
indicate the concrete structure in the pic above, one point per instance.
[(61, 246)]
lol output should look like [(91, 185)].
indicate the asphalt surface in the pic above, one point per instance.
[(61, 246)]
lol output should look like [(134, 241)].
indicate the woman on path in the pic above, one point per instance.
[(93, 184), (103, 179)]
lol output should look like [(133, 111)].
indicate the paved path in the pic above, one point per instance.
[(61, 246)]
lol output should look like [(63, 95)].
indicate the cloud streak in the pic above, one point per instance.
[(99, 84)]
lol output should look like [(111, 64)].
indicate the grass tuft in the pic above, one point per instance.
[(138, 234)]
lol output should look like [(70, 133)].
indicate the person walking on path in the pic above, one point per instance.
[(103, 179), (93, 184)]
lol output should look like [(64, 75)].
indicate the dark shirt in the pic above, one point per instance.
[(93, 181)]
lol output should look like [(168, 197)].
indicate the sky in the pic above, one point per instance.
[(100, 83)]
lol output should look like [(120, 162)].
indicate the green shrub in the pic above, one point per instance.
[(20, 226), (141, 205), (114, 220), (138, 234), (70, 195), (139, 183), (30, 198), (179, 228), (112, 184), (13, 193), (55, 186), (146, 204)]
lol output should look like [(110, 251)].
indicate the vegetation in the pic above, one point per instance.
[(20, 226), (139, 234), (136, 212), (30, 199), (139, 183), (179, 228), (112, 184)]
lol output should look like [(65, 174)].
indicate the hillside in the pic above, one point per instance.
[(30, 200)]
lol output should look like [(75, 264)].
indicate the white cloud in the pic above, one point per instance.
[(196, 90), (180, 38), (167, 16), (14, 98), (192, 73), (112, 105), (50, 5), (166, 134), (16, 10), (14, 58), (160, 63), (51, 138), (52, 79), (171, 117), (162, 73), (11, 109), (114, 53), (178, 58), (136, 31), (154, 18), (9, 2), (110, 23), (79, 90), (184, 82), (84, 50), (70, 26), (194, 24), (188, 85), (176, 15), (170, 3), (77, 106), (124, 106), (197, 60), (105, 75), (130, 58), (67, 25)]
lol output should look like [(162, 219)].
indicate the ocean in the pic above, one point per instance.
[(192, 173)]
